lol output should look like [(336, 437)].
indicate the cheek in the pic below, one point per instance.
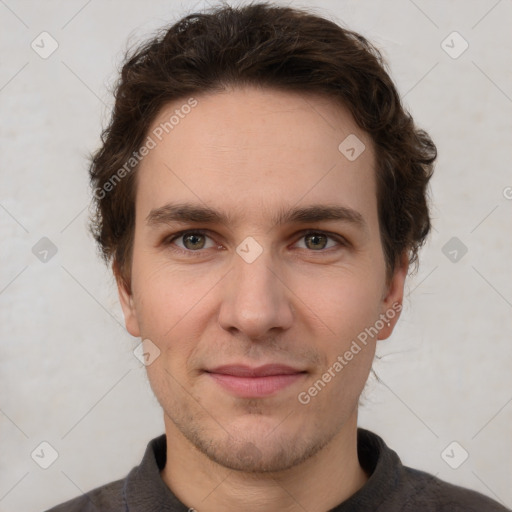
[(347, 307), (350, 312), (172, 309), (164, 295), (343, 303)]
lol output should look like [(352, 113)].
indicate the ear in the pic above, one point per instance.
[(393, 298), (127, 302)]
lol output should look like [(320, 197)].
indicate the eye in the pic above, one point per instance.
[(192, 241), (317, 240)]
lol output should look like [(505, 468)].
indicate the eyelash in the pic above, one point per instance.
[(168, 241)]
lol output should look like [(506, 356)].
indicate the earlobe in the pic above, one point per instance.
[(393, 300), (127, 303)]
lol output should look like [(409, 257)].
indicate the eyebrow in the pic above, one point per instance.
[(199, 214)]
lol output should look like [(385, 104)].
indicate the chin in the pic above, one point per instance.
[(250, 457), (256, 446)]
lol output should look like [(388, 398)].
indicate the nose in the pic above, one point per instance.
[(255, 298)]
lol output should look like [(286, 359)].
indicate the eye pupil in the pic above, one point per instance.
[(315, 237), (193, 238)]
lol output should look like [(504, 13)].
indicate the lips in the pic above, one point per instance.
[(260, 371), (253, 382)]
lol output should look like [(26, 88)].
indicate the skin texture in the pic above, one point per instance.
[(252, 153)]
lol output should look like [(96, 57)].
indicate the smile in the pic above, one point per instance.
[(247, 382)]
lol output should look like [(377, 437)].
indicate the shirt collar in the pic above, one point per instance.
[(144, 489), (383, 467)]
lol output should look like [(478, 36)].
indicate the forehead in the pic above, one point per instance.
[(255, 150)]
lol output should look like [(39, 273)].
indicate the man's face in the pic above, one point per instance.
[(249, 314)]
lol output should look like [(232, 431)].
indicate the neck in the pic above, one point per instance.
[(320, 483)]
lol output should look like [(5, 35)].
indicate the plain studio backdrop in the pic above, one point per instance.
[(69, 378)]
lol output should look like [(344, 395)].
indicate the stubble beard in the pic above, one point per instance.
[(251, 452)]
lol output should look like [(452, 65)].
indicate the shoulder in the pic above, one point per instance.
[(107, 498), (393, 487), (141, 488), (423, 491)]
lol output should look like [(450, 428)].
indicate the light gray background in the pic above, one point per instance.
[(68, 374)]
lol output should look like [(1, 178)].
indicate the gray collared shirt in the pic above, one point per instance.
[(391, 487)]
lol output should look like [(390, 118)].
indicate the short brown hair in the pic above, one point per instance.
[(265, 45)]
